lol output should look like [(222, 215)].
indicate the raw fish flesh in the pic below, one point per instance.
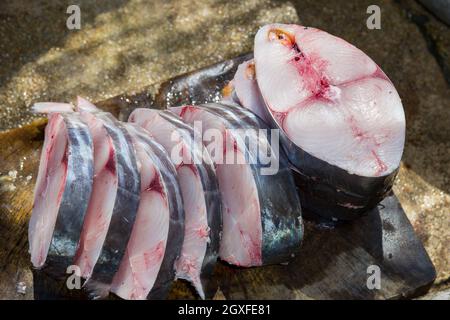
[(64, 182), (113, 204), (147, 268), (261, 225), (341, 120), (201, 197)]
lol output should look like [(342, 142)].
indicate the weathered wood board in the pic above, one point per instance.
[(333, 263)]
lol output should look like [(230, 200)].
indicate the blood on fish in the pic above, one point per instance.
[(111, 163), (323, 89), (156, 186), (185, 109), (185, 154), (203, 232), (64, 164), (155, 255), (356, 130), (380, 164), (190, 166), (361, 135), (235, 146)]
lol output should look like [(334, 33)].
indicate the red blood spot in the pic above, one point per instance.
[(357, 132), (156, 255), (380, 164), (203, 232), (111, 163), (63, 183), (235, 146), (227, 142), (296, 48), (185, 154), (156, 186), (311, 68), (185, 109), (322, 89), (361, 135)]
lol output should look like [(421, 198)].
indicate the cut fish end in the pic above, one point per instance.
[(52, 107)]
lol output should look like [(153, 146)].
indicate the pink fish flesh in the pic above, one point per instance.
[(113, 204), (199, 188)]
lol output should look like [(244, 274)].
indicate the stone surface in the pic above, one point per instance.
[(125, 45)]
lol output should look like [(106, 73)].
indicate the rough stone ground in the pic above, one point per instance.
[(125, 45)]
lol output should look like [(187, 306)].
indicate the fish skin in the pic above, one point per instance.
[(102, 199), (326, 190), (282, 221), (78, 186), (175, 237), (124, 212)]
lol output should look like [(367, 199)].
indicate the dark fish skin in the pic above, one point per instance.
[(213, 210), (78, 187), (124, 212), (281, 212), (333, 193), (166, 274)]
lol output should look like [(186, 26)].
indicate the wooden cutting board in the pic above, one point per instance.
[(335, 262)]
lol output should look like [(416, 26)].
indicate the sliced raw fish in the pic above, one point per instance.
[(281, 213), (200, 192), (113, 204), (340, 118), (147, 268), (260, 224), (64, 182), (101, 203)]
